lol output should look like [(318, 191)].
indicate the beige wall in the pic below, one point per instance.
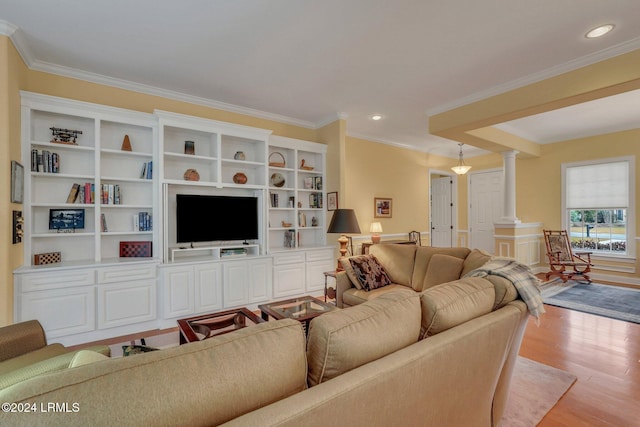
[(12, 76), (379, 170)]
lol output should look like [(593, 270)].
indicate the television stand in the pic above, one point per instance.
[(214, 252)]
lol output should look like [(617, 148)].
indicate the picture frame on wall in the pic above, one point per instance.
[(382, 207), (332, 201), (17, 182)]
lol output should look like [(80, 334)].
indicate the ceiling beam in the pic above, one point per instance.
[(472, 123)]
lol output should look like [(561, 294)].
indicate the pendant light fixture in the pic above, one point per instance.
[(461, 168)]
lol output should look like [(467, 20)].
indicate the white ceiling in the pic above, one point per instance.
[(308, 62)]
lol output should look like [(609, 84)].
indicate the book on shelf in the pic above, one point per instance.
[(73, 193), (289, 239), (142, 221), (103, 223), (45, 161), (274, 200), (317, 183), (110, 194), (147, 170)]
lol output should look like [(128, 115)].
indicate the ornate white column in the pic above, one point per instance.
[(509, 205)]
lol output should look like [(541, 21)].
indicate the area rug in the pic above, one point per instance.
[(615, 302), (535, 389)]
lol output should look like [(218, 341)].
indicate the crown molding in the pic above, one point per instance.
[(332, 118), (7, 28), (164, 93), (593, 58), (22, 47)]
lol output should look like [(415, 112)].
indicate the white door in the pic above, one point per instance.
[(442, 212), (485, 195)]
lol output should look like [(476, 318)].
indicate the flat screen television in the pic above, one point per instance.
[(203, 218)]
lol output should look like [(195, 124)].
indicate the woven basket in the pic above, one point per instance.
[(278, 156)]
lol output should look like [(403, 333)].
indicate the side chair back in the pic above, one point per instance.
[(563, 262), (414, 236)]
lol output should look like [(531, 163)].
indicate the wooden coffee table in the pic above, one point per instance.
[(302, 309), (199, 328)]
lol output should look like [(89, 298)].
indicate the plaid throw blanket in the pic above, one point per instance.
[(525, 282)]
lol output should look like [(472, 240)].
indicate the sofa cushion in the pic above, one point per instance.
[(442, 269), (85, 357), (342, 340), (476, 259), (397, 260), (218, 379), (27, 359), (423, 259), (369, 273), (450, 304), (505, 291), (356, 296)]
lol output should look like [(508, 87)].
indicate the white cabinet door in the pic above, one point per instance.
[(318, 261), (61, 311), (236, 282), (126, 303), (288, 274), (315, 276), (288, 280), (260, 280), (208, 287), (178, 290)]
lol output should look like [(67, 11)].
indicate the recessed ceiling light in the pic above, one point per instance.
[(599, 31), (376, 117)]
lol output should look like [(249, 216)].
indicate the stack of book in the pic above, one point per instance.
[(110, 194), (81, 193), (45, 161), (142, 222)]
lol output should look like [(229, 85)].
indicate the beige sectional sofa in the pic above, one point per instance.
[(414, 269), (442, 356)]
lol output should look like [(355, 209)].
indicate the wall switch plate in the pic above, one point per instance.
[(18, 222)]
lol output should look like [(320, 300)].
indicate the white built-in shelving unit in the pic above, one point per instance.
[(93, 293), (96, 159)]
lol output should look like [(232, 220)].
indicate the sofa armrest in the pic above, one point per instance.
[(343, 283), (21, 338)]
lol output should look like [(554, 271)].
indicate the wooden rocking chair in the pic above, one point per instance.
[(562, 261)]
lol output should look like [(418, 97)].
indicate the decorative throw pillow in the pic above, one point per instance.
[(370, 274)]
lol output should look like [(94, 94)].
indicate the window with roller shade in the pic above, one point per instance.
[(597, 205)]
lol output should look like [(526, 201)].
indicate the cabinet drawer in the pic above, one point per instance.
[(57, 280), (320, 255), (119, 274), (288, 258)]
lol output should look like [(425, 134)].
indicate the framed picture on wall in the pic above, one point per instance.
[(332, 201), (17, 182), (382, 207)]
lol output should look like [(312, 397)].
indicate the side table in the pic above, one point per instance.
[(330, 292), (302, 309), (208, 325)]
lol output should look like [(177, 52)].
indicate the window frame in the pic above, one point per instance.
[(631, 215)]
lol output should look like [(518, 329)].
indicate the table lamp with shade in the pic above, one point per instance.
[(344, 221), (375, 229)]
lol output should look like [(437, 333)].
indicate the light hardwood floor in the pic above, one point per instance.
[(605, 356)]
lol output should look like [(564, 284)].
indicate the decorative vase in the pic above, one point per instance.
[(192, 175), (239, 155), (240, 178)]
